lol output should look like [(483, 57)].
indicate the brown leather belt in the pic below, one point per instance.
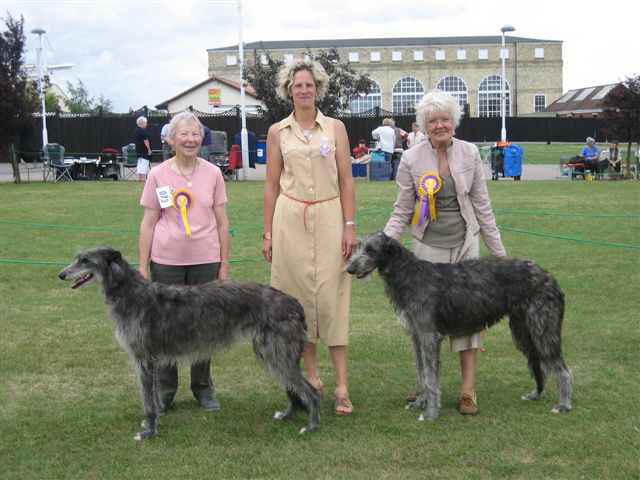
[(307, 203)]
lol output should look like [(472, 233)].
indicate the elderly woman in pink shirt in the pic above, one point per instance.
[(184, 236), (462, 206)]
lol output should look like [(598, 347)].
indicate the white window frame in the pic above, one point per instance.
[(264, 60), (401, 96), (232, 60), (461, 54), (440, 54), (491, 97), (353, 57), (538, 52), (375, 56), (396, 56), (418, 55), (535, 97), (456, 86), (483, 54), (287, 57), (363, 103)]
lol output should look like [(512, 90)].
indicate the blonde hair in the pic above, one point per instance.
[(290, 69), (437, 101), (186, 117), (387, 122)]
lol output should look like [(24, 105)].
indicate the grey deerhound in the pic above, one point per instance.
[(436, 299), (160, 324)]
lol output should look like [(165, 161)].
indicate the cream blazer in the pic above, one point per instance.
[(467, 171)]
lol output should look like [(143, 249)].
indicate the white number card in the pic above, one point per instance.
[(164, 196)]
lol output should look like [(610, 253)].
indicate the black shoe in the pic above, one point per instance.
[(209, 403)]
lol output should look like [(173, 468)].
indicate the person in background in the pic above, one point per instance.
[(309, 219), (610, 158), (205, 149), (142, 139), (166, 146), (386, 137), (416, 136), (400, 137), (591, 154), (462, 210), (361, 150), (185, 248)]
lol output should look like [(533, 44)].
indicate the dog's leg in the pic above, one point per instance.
[(421, 374), (538, 374), (564, 385), (431, 359), (302, 396), (294, 405), (146, 373)]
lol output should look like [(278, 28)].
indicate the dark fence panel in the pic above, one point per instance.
[(89, 133)]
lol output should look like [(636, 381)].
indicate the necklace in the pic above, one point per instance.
[(306, 133), (188, 179)]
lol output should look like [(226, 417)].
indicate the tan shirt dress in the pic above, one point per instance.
[(307, 258)]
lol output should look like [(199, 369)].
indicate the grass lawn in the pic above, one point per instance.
[(69, 400)]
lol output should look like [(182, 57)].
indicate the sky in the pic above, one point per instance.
[(139, 53)]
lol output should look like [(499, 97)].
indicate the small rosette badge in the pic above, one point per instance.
[(325, 147), (429, 184), (183, 201)]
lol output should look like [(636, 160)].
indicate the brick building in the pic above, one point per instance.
[(403, 69)]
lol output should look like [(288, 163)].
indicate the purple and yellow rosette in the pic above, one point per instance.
[(182, 201), (428, 185)]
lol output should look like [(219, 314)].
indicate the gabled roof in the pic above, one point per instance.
[(247, 89), (381, 42), (581, 100)]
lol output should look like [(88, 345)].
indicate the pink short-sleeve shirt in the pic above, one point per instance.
[(171, 245)]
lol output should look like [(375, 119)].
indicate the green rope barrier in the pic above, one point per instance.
[(561, 237), (599, 215)]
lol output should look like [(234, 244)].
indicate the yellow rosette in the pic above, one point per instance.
[(429, 184), (183, 201)]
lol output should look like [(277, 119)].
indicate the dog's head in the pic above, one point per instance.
[(374, 251), (92, 265)]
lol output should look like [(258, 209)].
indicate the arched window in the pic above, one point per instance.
[(362, 103), (489, 97), (406, 93), (456, 87)]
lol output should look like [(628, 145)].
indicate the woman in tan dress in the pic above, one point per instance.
[(309, 211)]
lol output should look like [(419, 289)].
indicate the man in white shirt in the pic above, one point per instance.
[(166, 147), (415, 137), (386, 136)]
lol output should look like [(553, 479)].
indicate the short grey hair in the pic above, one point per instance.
[(589, 139), (186, 117), (290, 69), (141, 121), (437, 101)]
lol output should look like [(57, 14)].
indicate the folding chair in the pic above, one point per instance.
[(54, 167), (129, 164)]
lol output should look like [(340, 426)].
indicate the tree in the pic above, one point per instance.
[(344, 83), (16, 104), (79, 100), (622, 112)]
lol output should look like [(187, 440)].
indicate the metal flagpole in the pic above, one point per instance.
[(244, 137), (45, 136)]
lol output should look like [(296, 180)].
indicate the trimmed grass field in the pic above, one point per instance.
[(69, 400)]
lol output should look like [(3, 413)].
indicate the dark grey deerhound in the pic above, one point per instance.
[(161, 324), (436, 299)]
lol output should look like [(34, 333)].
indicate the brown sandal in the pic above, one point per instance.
[(343, 406)]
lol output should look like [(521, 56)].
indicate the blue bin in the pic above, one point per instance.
[(380, 171), (377, 156), (262, 152), (513, 156)]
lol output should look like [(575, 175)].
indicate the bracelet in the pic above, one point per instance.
[(266, 236), (350, 223)]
